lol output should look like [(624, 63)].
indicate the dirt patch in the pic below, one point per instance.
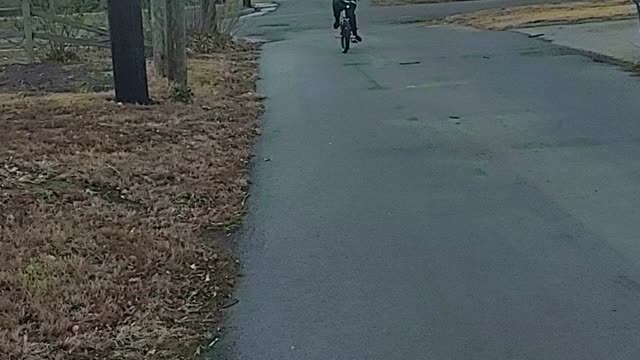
[(54, 77), (526, 16), (103, 210)]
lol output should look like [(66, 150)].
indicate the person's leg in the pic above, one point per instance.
[(337, 9), (354, 22)]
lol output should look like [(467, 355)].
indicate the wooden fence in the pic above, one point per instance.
[(31, 17)]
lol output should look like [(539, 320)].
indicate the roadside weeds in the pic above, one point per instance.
[(547, 14), (107, 211)]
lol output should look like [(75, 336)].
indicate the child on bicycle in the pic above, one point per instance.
[(341, 5)]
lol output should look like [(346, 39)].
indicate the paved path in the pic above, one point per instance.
[(299, 15), (619, 40), (438, 193)]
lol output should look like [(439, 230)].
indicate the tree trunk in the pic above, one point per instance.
[(159, 36), (208, 16), (127, 51), (177, 43), (28, 31)]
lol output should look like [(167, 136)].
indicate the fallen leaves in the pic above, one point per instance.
[(102, 211)]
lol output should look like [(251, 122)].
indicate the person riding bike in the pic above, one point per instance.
[(341, 5)]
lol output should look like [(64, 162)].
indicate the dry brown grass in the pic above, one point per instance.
[(573, 12), (103, 210), (410, 2)]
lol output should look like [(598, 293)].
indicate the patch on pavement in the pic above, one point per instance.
[(576, 143)]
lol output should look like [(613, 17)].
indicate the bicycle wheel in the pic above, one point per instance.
[(345, 39)]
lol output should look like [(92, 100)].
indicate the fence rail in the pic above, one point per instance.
[(31, 19), (10, 12), (31, 33)]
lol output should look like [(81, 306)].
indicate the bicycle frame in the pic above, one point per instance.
[(345, 24)]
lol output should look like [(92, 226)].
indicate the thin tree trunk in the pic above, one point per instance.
[(208, 15), (28, 30), (159, 36), (177, 43)]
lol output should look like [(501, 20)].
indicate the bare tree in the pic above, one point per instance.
[(177, 44), (207, 20), (159, 35)]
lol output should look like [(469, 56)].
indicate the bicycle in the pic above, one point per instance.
[(345, 26)]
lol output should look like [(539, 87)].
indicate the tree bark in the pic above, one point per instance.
[(208, 16), (159, 36), (127, 51), (177, 43), (28, 31)]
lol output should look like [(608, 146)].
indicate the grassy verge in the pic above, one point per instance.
[(104, 210), (523, 16), (410, 2)]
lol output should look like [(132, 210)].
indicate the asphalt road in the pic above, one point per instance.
[(438, 193), (300, 15)]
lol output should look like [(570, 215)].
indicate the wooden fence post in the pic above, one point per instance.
[(28, 30), (159, 36), (177, 43)]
